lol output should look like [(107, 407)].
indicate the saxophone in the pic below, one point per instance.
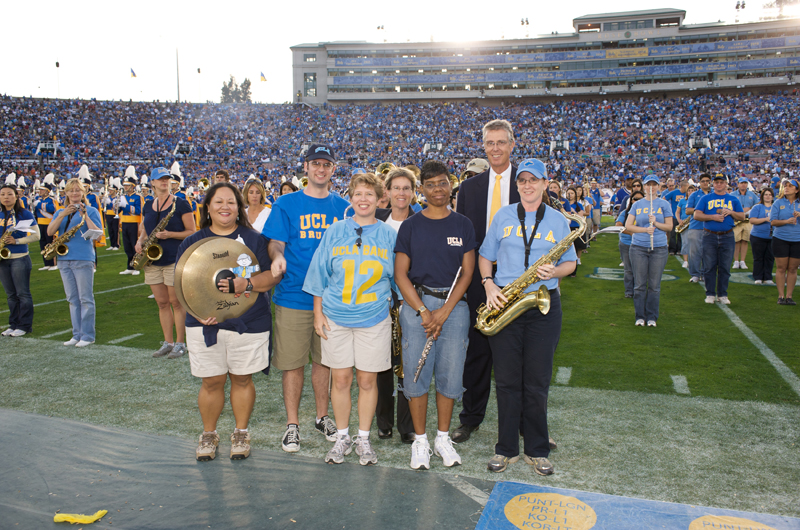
[(4, 252), (681, 228), (152, 251), (59, 244), (491, 321)]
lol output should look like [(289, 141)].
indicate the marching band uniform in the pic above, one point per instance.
[(130, 216), (44, 209), (112, 219)]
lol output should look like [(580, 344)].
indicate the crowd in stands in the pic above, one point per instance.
[(754, 135)]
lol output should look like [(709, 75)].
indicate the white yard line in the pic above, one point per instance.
[(784, 371), (477, 495), (99, 292), (57, 333), (123, 339), (680, 384), (563, 375)]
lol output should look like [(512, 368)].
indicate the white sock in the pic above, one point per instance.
[(442, 434), (237, 429), (344, 433), (210, 432), (363, 434), (317, 420), (423, 437)]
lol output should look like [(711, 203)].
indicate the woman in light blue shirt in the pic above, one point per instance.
[(786, 240), (761, 239)]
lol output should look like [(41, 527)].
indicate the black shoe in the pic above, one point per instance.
[(384, 434), (553, 444), (463, 433), (789, 301), (408, 438), (781, 301)]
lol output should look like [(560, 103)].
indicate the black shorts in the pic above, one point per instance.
[(785, 249), (579, 244)]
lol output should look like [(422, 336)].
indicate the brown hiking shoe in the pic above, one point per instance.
[(207, 448), (240, 445)]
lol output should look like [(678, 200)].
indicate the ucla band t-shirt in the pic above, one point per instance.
[(760, 211), (436, 247), (713, 202), (782, 209), (355, 281), (641, 212), (691, 202), (624, 238), (504, 244), (300, 221), (79, 249)]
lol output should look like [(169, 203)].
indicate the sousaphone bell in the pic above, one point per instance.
[(200, 269)]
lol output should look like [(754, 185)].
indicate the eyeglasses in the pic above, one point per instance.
[(430, 186), (406, 189), (317, 165), (359, 231), (500, 143)]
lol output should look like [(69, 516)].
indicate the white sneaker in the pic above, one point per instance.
[(110, 248), (769, 282), (724, 300), (640, 322), (44, 268), (7, 332), (83, 343), (18, 333), (420, 455), (71, 342), (694, 279), (743, 265), (126, 271), (54, 268), (579, 261), (710, 299), (367, 455), (151, 296), (685, 264), (622, 264), (735, 265), (758, 282), (134, 273), (443, 446), (651, 323)]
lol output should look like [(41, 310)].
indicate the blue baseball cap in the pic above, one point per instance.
[(534, 166), (743, 179), (775, 179), (651, 178), (159, 173), (720, 176), (317, 151), (793, 182)]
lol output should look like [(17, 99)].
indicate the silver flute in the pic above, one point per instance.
[(429, 343)]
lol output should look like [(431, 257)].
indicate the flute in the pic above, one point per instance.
[(653, 223), (429, 342)]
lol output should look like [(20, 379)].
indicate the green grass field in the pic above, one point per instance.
[(728, 438)]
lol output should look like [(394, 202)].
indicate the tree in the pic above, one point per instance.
[(244, 92), (233, 93)]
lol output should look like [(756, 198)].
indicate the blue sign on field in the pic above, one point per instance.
[(514, 505)]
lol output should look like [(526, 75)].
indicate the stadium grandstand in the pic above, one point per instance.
[(634, 51)]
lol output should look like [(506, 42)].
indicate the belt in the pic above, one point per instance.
[(718, 233), (421, 289)]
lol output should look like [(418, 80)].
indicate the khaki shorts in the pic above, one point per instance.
[(368, 349), (233, 353), (155, 275), (295, 338), (742, 232)]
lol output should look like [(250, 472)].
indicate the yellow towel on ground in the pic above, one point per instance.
[(78, 518)]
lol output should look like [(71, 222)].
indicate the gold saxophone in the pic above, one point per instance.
[(4, 252), (152, 251), (59, 244), (491, 321), (681, 228)]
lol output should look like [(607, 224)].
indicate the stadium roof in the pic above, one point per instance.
[(643, 12)]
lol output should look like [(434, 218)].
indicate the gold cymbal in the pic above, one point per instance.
[(199, 270)]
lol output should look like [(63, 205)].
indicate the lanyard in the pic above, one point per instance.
[(539, 217)]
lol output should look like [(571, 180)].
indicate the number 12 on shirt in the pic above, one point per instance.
[(371, 268)]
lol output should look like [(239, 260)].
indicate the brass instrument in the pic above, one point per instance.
[(385, 168), (152, 251), (59, 244), (491, 321), (681, 228), (397, 341), (4, 252)]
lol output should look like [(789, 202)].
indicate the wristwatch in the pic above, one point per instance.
[(249, 285), (421, 310), (485, 279)]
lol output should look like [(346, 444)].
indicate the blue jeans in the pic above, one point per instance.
[(15, 275), (696, 261), (624, 252), (717, 257), (446, 357), (648, 266), (78, 282)]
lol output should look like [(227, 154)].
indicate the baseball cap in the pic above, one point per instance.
[(159, 173), (775, 179), (317, 151), (534, 166), (651, 178), (477, 165), (793, 182), (743, 179), (720, 176)]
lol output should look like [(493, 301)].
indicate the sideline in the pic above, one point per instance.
[(477, 495), (99, 292), (784, 371)]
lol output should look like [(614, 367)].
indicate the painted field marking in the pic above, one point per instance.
[(99, 292), (57, 333), (680, 384), (477, 495), (563, 375), (123, 339), (784, 371)]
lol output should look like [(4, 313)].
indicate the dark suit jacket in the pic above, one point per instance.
[(473, 195), (382, 214)]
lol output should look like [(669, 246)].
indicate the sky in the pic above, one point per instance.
[(97, 45)]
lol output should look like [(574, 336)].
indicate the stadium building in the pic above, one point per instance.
[(633, 51)]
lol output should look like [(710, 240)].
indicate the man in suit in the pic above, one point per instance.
[(479, 198)]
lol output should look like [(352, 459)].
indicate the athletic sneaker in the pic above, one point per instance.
[(420, 454), (724, 300), (622, 264), (165, 348), (240, 445), (18, 333), (134, 273), (443, 446), (758, 282), (685, 264), (327, 428), (579, 261), (71, 342), (781, 301), (84, 343), (54, 268), (541, 465), (364, 450), (7, 332), (710, 299), (640, 322), (499, 463), (46, 268), (342, 448), (177, 350), (769, 282), (291, 439), (651, 323), (207, 448), (694, 279), (743, 265), (735, 265), (126, 271), (151, 296), (790, 301)]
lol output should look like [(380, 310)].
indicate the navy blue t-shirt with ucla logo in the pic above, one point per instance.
[(436, 247)]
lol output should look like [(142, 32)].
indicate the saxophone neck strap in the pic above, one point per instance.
[(539, 217)]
